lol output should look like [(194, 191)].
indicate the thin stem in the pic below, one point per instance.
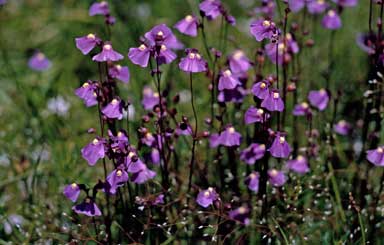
[(194, 134)]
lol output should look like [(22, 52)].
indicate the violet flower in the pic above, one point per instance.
[(318, 99), (342, 127), (87, 207), (117, 178), (260, 89), (331, 20), (100, 8), (39, 62), (252, 181), (87, 92), (280, 147), (317, 6), (188, 25), (235, 95), (114, 109), (72, 192), (238, 62), (86, 43), (140, 56), (193, 62), (227, 80), (346, 3), (210, 8), (165, 55), (207, 197), (273, 102), (301, 109), (254, 114), (241, 215), (296, 5), (252, 153), (150, 99), (107, 54), (229, 137), (93, 151), (298, 165), (376, 156), (270, 50), (276, 178), (263, 29), (143, 175), (119, 72), (162, 35)]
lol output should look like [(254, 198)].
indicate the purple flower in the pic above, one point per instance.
[(87, 207), (260, 90), (346, 3), (101, 8), (298, 165), (3, 2), (39, 62), (252, 181), (114, 109), (292, 46), (165, 55), (143, 175), (140, 56), (87, 92), (150, 99), (119, 142), (254, 114), (331, 20), (366, 42), (276, 178), (72, 192), (273, 102), (270, 49), (235, 95), (342, 127), (318, 99), (229, 137), (159, 200), (317, 6), (301, 109), (107, 54), (241, 215), (207, 197), (193, 62), (227, 80), (93, 151), (280, 147), (86, 43), (155, 156), (267, 8), (263, 29), (148, 139), (119, 72), (188, 25), (214, 140), (161, 34), (296, 5), (116, 178), (252, 153), (183, 129), (210, 8), (238, 62), (376, 156)]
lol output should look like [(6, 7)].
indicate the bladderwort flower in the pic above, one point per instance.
[(117, 178), (72, 191), (193, 62), (229, 137), (252, 181), (301, 109), (317, 6), (235, 95), (227, 80), (280, 147), (261, 89), (298, 165), (165, 55), (150, 98), (39, 62), (346, 3), (119, 72), (263, 29), (342, 127), (183, 129), (206, 197), (188, 25), (376, 156), (267, 8), (162, 35), (241, 215), (252, 153), (143, 175), (93, 151), (210, 8), (86, 43), (140, 56), (253, 115), (87, 207), (107, 54), (318, 99), (296, 5), (99, 8), (331, 20), (273, 101), (114, 109), (238, 62), (276, 178), (270, 50), (87, 92)]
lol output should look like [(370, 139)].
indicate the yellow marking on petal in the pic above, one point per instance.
[(304, 105), (40, 56), (114, 102), (95, 141), (142, 47), (85, 85), (73, 185), (322, 91), (207, 193), (331, 13), (156, 95), (262, 146), (274, 172), (227, 73), (242, 210), (87, 200), (192, 55), (260, 111), (263, 85), (119, 173), (118, 67), (160, 33), (252, 175), (119, 134), (380, 149), (91, 36), (300, 158), (198, 56), (282, 139), (276, 95), (238, 55), (188, 18), (107, 47), (288, 36), (266, 23), (231, 130), (163, 47)]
